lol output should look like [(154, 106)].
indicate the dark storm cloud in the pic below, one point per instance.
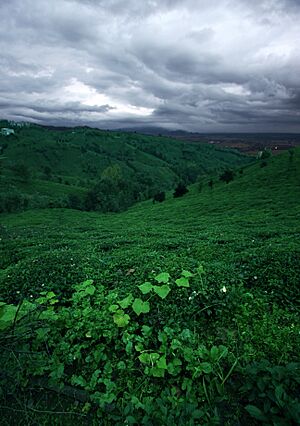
[(199, 65)]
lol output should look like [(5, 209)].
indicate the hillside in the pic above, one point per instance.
[(210, 336), (52, 167)]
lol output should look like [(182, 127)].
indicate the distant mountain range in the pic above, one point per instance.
[(249, 143)]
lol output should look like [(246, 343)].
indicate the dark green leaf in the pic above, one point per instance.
[(163, 277), (146, 287), (162, 291), (140, 307), (182, 282), (256, 413)]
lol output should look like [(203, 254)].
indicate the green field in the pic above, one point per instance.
[(213, 335)]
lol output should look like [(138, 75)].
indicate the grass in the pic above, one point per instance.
[(245, 236)]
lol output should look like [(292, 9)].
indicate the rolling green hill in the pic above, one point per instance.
[(188, 313), (43, 167)]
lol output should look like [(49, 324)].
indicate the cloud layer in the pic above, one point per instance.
[(206, 65)]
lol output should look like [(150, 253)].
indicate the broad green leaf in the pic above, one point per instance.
[(161, 363), (127, 301), (121, 319), (256, 413), (113, 308), (162, 291), (174, 367), (58, 372), (146, 330), (8, 312), (49, 315), (50, 295), (206, 367), (214, 353), (157, 372), (182, 282), (187, 274), (198, 414), (90, 290), (186, 334), (149, 358), (163, 277), (146, 287), (78, 380), (144, 358), (121, 365), (279, 392), (128, 347), (7, 316), (42, 333), (130, 420), (162, 337), (200, 269), (140, 307), (87, 283), (139, 347)]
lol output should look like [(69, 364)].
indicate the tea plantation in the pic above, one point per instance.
[(184, 312)]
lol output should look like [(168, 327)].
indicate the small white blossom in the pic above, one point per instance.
[(223, 289), (255, 277), (190, 298)]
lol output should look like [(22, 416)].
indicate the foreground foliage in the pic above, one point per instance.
[(126, 362)]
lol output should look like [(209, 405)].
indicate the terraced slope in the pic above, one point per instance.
[(223, 344)]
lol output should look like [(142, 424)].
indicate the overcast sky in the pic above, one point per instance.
[(206, 65)]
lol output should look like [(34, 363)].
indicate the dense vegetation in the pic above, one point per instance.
[(181, 312), (91, 169)]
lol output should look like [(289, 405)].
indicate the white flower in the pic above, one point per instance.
[(190, 298), (223, 289), (255, 277)]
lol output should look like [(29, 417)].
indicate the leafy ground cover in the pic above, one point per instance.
[(183, 312)]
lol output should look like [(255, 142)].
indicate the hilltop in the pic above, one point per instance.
[(59, 167)]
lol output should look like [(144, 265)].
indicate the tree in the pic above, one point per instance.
[(74, 202), (180, 190), (291, 155), (266, 153), (227, 176), (21, 171), (112, 173), (48, 172), (160, 197)]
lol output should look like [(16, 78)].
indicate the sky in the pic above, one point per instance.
[(201, 66)]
